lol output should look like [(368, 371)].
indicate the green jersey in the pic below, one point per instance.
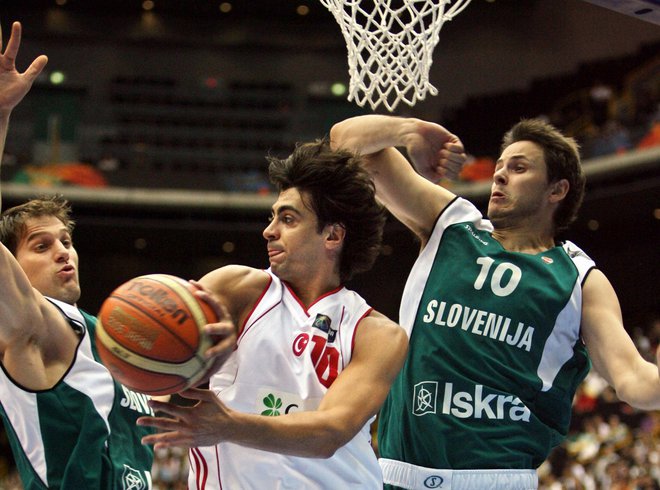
[(80, 434), (495, 351)]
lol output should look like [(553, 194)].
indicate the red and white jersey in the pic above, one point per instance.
[(287, 358)]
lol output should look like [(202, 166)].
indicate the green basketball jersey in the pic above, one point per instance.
[(495, 351), (81, 434)]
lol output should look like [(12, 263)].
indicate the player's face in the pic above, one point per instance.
[(50, 261), (520, 186), (295, 247)]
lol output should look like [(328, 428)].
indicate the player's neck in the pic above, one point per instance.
[(311, 291), (524, 240), (529, 234)]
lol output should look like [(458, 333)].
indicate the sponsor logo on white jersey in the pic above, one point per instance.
[(273, 403)]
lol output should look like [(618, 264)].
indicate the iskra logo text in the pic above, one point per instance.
[(477, 403), (463, 405)]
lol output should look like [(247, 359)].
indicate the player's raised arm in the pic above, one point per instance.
[(434, 152), (24, 313), (14, 85)]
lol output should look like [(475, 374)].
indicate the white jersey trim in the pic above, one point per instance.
[(458, 210)]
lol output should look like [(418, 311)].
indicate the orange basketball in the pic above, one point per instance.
[(149, 334)]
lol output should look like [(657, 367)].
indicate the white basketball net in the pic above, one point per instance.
[(390, 46)]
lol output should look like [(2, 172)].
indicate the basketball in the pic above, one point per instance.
[(149, 334)]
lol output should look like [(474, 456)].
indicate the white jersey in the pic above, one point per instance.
[(287, 358)]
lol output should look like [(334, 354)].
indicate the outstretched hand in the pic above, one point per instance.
[(203, 424), (14, 85), (435, 152)]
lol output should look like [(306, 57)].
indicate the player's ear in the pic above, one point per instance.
[(335, 234), (558, 190)]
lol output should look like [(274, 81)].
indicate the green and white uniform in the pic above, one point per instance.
[(495, 351), (81, 434)]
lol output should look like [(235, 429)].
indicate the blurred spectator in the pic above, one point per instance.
[(108, 163), (609, 138), (170, 470), (601, 98)]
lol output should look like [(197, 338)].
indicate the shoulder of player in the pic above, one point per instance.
[(375, 323), (44, 340), (45, 322), (238, 287), (597, 290), (380, 340)]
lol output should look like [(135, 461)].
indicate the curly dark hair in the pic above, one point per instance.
[(12, 221), (341, 192), (562, 159)]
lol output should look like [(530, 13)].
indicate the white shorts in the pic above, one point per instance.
[(414, 477)]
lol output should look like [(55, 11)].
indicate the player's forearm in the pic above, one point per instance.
[(311, 434), (4, 126), (641, 387), (369, 134), (20, 313)]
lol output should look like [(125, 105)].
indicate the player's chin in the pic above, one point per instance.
[(70, 293), (276, 267), (494, 209), (282, 273)]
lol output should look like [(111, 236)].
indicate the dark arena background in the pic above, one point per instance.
[(154, 119)]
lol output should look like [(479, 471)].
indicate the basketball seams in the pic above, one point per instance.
[(167, 383), (183, 292), (187, 368), (164, 326)]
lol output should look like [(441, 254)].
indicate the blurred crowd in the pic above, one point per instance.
[(605, 119), (611, 446)]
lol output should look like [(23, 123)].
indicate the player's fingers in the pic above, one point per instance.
[(221, 349), (12, 45), (198, 394), (197, 285), (35, 68), (157, 422), (453, 152), (453, 164), (450, 163), (218, 307), (170, 409), (454, 140), (166, 440), (224, 312), (220, 329), (179, 441)]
